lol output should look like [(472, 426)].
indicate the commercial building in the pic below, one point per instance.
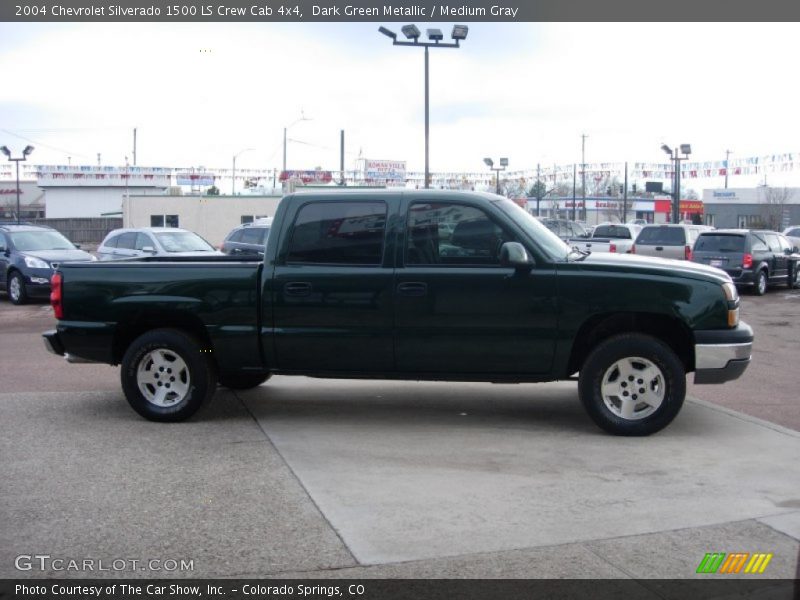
[(760, 207)]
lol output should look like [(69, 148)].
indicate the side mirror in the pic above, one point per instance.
[(513, 254), (789, 251), (796, 250), (148, 249), (78, 246)]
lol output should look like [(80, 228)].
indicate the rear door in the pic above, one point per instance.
[(779, 261), (331, 292), (5, 251)]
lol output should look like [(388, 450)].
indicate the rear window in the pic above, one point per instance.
[(662, 236), (612, 231), (719, 243)]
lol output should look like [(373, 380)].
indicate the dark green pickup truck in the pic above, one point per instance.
[(407, 285)]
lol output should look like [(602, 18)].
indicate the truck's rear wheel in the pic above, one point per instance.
[(632, 384), (242, 381), (166, 376)]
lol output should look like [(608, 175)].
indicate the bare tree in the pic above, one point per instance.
[(774, 206)]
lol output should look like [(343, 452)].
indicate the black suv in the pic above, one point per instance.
[(28, 256), (248, 239), (754, 258)]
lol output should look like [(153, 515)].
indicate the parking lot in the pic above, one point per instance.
[(328, 478)]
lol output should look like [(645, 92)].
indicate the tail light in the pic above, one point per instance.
[(747, 262), (687, 252), (612, 247), (55, 295)]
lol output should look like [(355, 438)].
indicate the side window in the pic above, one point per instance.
[(340, 233), (471, 237), (759, 244), (773, 243), (3, 243), (236, 236), (142, 240), (127, 240), (785, 245), (112, 243)]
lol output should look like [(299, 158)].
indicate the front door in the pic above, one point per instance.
[(331, 292), (458, 310)]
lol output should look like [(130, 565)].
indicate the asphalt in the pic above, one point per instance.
[(334, 478)]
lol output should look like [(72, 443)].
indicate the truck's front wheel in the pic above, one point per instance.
[(632, 384), (166, 376)]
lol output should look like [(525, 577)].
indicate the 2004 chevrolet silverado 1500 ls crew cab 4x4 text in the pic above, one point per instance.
[(418, 285)]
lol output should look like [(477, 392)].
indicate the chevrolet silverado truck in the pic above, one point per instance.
[(414, 285), (608, 237)]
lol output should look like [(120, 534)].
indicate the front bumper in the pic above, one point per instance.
[(722, 355)]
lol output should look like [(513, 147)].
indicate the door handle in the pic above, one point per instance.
[(659, 247), (297, 288), (412, 289)]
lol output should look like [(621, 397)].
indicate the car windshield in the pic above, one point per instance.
[(183, 241), (549, 242), (26, 241), (719, 243)]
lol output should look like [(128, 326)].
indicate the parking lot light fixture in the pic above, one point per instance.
[(686, 149), (25, 153), (233, 173), (503, 164), (435, 38)]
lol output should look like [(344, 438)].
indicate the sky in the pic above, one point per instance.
[(198, 94)]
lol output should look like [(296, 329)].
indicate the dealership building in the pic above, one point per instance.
[(747, 208)]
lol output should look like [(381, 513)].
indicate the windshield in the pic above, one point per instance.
[(27, 241), (549, 242), (183, 241)]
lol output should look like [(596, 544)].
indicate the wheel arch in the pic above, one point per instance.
[(184, 322), (598, 328)]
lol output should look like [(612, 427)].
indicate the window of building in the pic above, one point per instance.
[(750, 221), (164, 221), (344, 233), (709, 220)]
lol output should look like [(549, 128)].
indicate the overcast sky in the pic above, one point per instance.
[(200, 93)]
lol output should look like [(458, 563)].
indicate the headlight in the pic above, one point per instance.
[(35, 263), (732, 296)]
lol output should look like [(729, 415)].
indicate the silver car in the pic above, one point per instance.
[(667, 240), (153, 241)]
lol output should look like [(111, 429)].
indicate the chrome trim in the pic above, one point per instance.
[(77, 360), (717, 356)]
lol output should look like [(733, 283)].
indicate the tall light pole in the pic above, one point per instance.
[(583, 173), (686, 149), (503, 164), (285, 129), (25, 153), (233, 174), (435, 36), (727, 167)]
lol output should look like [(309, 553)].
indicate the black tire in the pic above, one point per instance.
[(657, 390), (16, 289), (760, 286), (242, 381), (793, 278), (159, 393)]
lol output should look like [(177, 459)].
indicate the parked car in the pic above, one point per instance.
[(667, 241), (248, 238), (793, 233), (29, 254), (753, 258), (153, 241), (565, 229)]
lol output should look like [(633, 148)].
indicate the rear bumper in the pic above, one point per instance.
[(722, 355), (52, 342)]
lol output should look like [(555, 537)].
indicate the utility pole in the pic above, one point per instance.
[(625, 197), (134, 146), (574, 183), (583, 172), (727, 167), (538, 190)]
